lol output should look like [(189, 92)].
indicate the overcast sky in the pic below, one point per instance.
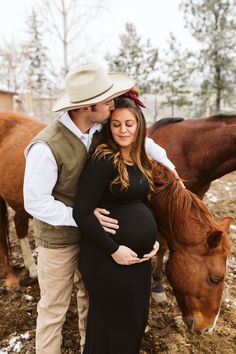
[(154, 20)]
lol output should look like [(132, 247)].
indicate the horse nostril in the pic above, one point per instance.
[(189, 324), (207, 330)]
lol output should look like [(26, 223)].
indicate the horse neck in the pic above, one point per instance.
[(181, 215), (166, 195)]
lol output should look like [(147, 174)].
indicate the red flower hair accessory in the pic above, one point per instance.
[(133, 95)]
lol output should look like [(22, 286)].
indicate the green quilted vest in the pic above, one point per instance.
[(70, 155)]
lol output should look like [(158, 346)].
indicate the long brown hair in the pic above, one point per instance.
[(138, 151)]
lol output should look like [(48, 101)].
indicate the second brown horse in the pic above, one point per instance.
[(202, 150)]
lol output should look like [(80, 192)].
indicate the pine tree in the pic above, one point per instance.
[(137, 59), (212, 23), (176, 70), (38, 69)]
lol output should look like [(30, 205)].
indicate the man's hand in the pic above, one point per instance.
[(125, 256), (178, 178), (110, 225), (148, 256)]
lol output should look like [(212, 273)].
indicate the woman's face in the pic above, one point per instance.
[(123, 127)]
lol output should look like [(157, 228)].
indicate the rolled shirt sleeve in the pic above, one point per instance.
[(157, 153)]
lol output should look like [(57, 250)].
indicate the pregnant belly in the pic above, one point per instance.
[(137, 227)]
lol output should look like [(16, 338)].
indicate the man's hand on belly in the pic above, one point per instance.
[(110, 225)]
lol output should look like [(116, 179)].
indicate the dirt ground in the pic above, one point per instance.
[(167, 333)]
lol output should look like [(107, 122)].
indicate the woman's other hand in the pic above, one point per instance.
[(148, 256), (110, 225), (125, 256)]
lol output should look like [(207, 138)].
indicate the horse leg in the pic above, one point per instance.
[(158, 291), (10, 278), (21, 225)]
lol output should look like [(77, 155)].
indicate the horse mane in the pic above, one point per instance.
[(168, 187), (222, 116), (162, 122)]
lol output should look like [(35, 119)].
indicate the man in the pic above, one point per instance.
[(54, 161)]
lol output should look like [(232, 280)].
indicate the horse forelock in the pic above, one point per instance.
[(183, 207)]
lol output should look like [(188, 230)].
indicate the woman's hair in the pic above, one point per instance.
[(138, 151)]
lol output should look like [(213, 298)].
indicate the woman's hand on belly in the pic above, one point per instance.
[(151, 254), (125, 256)]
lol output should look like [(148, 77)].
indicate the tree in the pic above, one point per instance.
[(176, 70), (12, 69), (66, 20), (38, 70), (136, 58), (212, 23)]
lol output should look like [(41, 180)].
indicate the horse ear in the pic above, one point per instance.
[(225, 223), (214, 239)]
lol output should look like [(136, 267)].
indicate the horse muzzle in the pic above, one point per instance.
[(194, 327)]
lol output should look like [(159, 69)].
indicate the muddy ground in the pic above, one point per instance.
[(167, 333)]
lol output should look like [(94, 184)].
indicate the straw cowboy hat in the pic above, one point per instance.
[(91, 84)]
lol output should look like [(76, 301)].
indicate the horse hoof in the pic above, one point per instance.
[(11, 281), (159, 297)]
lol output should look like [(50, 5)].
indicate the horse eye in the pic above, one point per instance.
[(214, 280)]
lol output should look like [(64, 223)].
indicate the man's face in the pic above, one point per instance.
[(101, 111)]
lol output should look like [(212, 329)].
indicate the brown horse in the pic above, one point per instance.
[(16, 131), (198, 249), (202, 151)]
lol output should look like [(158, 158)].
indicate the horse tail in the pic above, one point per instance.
[(4, 227)]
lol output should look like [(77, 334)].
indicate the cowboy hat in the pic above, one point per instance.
[(91, 84)]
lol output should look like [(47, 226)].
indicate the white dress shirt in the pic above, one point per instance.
[(38, 184)]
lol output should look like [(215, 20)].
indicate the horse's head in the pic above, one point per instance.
[(197, 276), (199, 247)]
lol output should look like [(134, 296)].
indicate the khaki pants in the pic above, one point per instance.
[(57, 272)]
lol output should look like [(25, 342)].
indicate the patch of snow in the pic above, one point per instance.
[(14, 344), (227, 188), (28, 297), (212, 198)]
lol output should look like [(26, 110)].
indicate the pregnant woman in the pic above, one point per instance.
[(116, 269)]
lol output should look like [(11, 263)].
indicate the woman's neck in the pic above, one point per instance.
[(126, 155)]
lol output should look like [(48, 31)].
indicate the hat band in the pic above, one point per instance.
[(90, 98)]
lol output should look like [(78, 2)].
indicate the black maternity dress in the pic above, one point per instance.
[(118, 294)]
